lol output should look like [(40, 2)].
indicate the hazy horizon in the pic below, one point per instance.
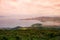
[(29, 8), (19, 9)]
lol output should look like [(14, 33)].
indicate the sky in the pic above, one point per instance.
[(29, 8)]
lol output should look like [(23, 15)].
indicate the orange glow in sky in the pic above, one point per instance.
[(29, 8)]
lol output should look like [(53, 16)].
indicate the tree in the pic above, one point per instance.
[(17, 27), (18, 38), (36, 25), (4, 38)]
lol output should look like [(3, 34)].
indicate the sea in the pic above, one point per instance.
[(10, 23)]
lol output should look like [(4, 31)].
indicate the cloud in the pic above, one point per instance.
[(30, 7), (2, 16)]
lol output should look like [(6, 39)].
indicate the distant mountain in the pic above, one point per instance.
[(14, 28), (17, 27), (56, 19), (47, 21)]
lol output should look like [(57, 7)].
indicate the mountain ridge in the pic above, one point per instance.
[(56, 19)]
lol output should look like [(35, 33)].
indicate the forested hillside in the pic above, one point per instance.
[(36, 32)]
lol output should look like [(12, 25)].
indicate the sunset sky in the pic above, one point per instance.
[(29, 8)]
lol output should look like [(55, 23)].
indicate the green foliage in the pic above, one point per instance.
[(31, 33), (36, 25)]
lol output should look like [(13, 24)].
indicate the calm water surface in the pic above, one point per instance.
[(16, 22)]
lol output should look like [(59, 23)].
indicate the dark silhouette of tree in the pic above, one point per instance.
[(17, 27), (18, 38), (4, 38), (36, 25)]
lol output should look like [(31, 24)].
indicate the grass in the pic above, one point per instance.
[(33, 33)]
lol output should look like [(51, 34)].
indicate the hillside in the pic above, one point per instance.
[(32, 33), (57, 19)]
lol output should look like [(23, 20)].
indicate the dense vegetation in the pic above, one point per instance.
[(36, 32)]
